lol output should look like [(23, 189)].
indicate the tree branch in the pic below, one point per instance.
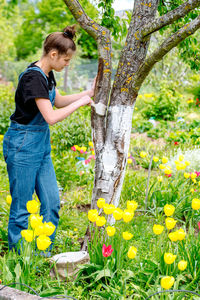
[(163, 49), (103, 82), (170, 17)]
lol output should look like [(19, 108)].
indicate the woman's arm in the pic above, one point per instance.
[(62, 101), (52, 116)]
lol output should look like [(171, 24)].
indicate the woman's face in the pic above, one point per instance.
[(61, 61)]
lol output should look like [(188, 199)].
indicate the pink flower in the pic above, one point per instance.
[(198, 173), (198, 225), (87, 161), (73, 148), (81, 151), (107, 251), (168, 175)]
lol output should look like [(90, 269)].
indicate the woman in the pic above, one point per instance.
[(26, 145)]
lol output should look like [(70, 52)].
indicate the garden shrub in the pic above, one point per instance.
[(6, 106), (163, 106), (194, 87), (142, 126), (74, 130)]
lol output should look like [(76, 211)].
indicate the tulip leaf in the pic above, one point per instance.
[(18, 272), (7, 274), (103, 273)]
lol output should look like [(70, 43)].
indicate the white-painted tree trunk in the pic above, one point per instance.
[(111, 159)]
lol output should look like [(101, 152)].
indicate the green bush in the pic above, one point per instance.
[(142, 126), (74, 130), (6, 105), (163, 106), (194, 86)]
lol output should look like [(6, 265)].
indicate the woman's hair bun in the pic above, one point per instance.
[(70, 32)]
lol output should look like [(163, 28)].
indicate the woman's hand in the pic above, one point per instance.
[(91, 92), (86, 100)]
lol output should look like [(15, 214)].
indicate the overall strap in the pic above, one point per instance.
[(35, 69)]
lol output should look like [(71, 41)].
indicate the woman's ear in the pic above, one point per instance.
[(53, 54)]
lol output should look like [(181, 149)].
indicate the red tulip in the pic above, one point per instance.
[(168, 175), (107, 251), (175, 143), (198, 225), (73, 148)]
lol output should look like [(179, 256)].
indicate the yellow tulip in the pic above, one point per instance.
[(9, 199), (127, 235), (194, 180), (84, 149), (173, 236), (127, 216), (162, 167), (118, 214), (168, 171), (49, 228), (182, 265), (110, 230), (32, 206), (167, 282), (101, 202), (132, 252), (27, 235), (91, 144), (92, 215), (169, 258), (192, 191), (183, 166), (169, 210), (132, 205), (187, 162), (158, 229), (39, 230), (186, 175), (155, 159), (108, 208), (164, 160), (196, 203), (129, 161), (193, 175), (143, 154), (35, 220), (179, 166), (43, 242), (100, 221), (159, 178), (181, 234), (181, 157), (170, 223)]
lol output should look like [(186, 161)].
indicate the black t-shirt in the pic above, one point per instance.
[(31, 85)]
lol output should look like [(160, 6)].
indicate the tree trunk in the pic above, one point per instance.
[(111, 158)]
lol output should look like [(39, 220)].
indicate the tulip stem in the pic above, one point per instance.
[(147, 189)]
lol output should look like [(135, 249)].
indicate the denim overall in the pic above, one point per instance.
[(26, 150)]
